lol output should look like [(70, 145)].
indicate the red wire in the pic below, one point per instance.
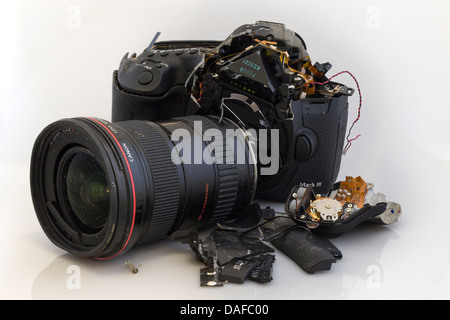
[(350, 142), (201, 92)]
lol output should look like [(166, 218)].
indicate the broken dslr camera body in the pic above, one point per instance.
[(100, 187), (260, 77)]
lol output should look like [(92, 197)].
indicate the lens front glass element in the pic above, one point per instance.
[(88, 190)]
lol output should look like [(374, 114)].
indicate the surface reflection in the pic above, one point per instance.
[(71, 277), (361, 269), (168, 270)]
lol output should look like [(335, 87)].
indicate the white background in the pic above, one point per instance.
[(57, 59)]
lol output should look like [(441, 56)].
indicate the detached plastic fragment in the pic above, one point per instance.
[(237, 270), (230, 245), (262, 272), (271, 229), (236, 250), (229, 257), (310, 251), (258, 268), (210, 276)]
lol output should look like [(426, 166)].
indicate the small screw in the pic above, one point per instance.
[(131, 267)]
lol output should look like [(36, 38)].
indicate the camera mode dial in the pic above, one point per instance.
[(155, 72)]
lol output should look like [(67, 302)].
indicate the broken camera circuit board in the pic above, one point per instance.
[(349, 203)]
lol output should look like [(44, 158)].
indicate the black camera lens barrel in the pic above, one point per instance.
[(125, 173)]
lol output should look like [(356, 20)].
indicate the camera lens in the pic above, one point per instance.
[(87, 190), (99, 188)]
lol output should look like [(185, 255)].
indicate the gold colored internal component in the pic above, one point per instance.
[(313, 214), (352, 190)]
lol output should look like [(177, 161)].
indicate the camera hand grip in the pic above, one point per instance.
[(311, 252)]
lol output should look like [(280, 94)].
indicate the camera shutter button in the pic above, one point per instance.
[(145, 78)]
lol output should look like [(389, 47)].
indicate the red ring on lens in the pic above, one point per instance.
[(132, 186)]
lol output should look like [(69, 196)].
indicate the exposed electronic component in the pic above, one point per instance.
[(327, 209), (353, 190), (348, 204)]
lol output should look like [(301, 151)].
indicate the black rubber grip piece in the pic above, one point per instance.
[(311, 252)]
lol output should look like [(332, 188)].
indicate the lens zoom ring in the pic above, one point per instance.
[(166, 182), (228, 173), (228, 190)]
